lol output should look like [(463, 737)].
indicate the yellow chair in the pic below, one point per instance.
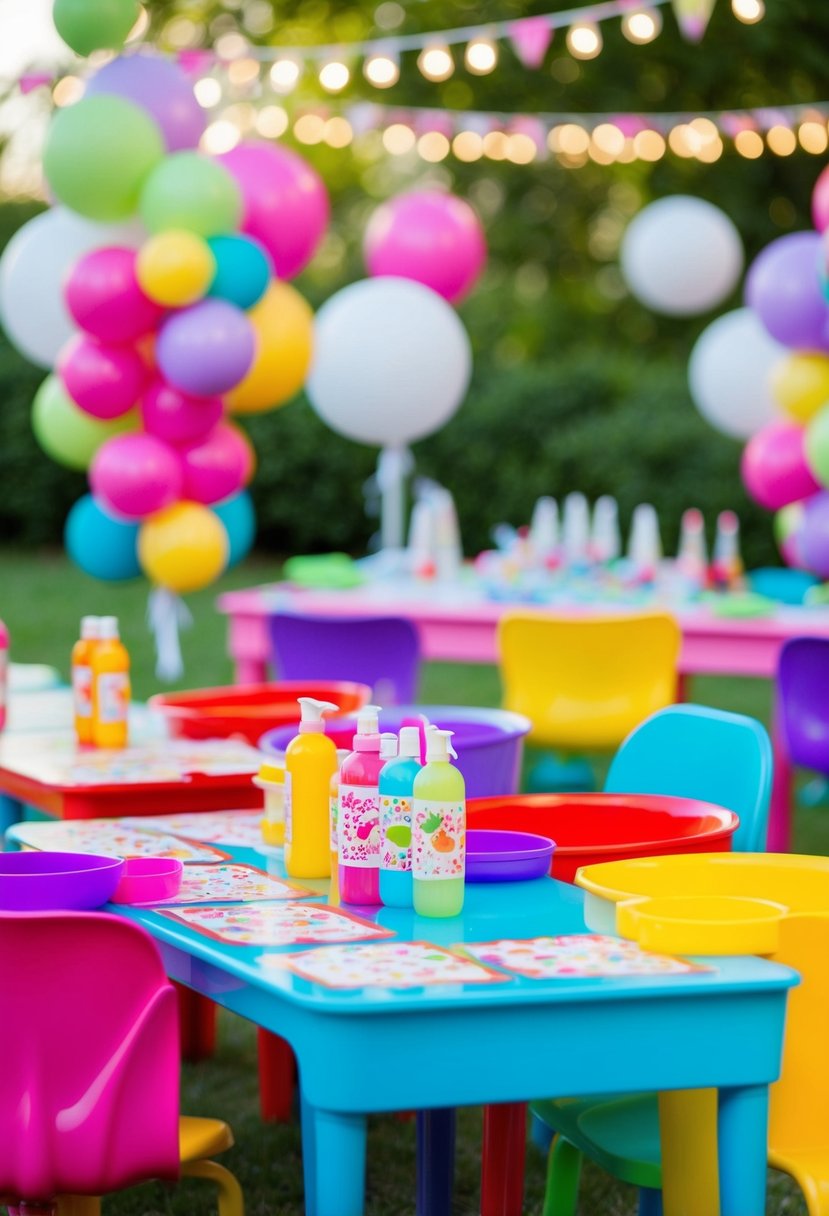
[(585, 682)]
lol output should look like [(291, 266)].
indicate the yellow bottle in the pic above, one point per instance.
[(110, 687), (82, 677), (310, 762)]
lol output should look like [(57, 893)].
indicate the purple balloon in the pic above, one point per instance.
[(133, 476), (813, 535), (174, 417), (206, 349), (783, 287), (161, 88)]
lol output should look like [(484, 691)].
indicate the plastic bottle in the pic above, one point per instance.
[(396, 788), (333, 816), (727, 564), (358, 828), (439, 830), (4, 672), (82, 677), (110, 686), (310, 762)]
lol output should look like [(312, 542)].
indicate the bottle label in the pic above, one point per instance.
[(358, 827), (82, 690), (333, 816), (113, 696), (395, 833), (438, 839), (287, 805)]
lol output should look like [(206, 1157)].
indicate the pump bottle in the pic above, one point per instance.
[(110, 686), (82, 677), (439, 830), (310, 762), (396, 787), (358, 828)]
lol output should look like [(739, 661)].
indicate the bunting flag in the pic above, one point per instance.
[(692, 17), (530, 39)]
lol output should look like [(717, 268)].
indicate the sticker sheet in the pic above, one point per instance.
[(387, 965), (278, 924), (111, 838), (576, 956), (56, 760), (232, 882), (240, 828)]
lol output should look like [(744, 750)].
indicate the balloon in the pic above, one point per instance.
[(217, 466), (817, 446), (175, 268), (239, 519), (161, 88), (429, 236), (813, 536), (33, 267), (800, 384), (103, 379), (728, 374), (183, 548), (104, 547), (681, 256), (787, 526), (136, 475), (104, 298), (98, 154), (191, 191), (392, 362), (65, 432), (820, 201), (783, 288), (774, 467), (206, 349), (286, 206), (88, 26), (243, 270), (283, 324), (176, 418)]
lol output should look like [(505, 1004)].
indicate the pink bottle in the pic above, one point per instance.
[(358, 827), (4, 672)]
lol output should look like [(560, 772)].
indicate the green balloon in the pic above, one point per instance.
[(95, 25), (65, 432), (816, 446), (98, 154), (191, 191)]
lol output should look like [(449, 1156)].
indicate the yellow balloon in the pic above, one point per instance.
[(283, 323), (800, 385), (183, 548), (175, 268)]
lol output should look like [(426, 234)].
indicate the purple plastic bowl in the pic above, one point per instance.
[(506, 856), (51, 882)]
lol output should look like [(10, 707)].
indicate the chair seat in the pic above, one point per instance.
[(619, 1134), (810, 1169), (199, 1139)]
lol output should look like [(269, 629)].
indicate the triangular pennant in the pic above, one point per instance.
[(530, 38), (692, 17), (30, 81), (195, 62)]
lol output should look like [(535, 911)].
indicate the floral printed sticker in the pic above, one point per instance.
[(358, 827), (235, 882), (576, 956), (438, 839), (240, 828), (387, 965), (277, 924), (111, 838), (395, 833)]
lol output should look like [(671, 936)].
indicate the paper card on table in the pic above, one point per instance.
[(56, 760), (232, 883), (240, 828), (111, 838), (576, 956), (277, 924), (386, 965)]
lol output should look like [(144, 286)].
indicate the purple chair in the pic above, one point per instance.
[(382, 651), (802, 681)]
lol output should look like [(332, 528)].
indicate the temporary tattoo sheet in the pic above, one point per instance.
[(232, 883), (278, 924), (387, 965), (240, 828), (576, 956), (111, 838)]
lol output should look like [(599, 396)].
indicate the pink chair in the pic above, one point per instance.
[(89, 1082)]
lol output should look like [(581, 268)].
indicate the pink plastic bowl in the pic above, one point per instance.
[(148, 880)]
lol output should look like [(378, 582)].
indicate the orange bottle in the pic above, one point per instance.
[(110, 687), (82, 677)]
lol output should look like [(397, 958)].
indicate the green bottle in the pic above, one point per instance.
[(439, 830)]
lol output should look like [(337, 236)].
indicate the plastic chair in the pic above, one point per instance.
[(89, 1093), (381, 651), (802, 675)]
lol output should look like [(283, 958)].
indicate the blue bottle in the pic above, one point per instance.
[(395, 788)]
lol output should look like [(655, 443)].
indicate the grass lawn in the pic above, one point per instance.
[(42, 598)]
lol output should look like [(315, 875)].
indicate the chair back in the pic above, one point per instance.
[(802, 681), (586, 682), (691, 751), (381, 651), (89, 1096)]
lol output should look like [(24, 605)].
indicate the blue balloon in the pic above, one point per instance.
[(239, 519), (104, 547), (243, 270)]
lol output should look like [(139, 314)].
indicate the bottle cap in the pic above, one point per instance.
[(90, 627), (439, 744), (312, 710), (108, 627), (410, 741), (388, 745), (367, 738)]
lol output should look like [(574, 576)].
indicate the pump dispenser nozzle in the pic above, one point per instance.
[(410, 741), (312, 711), (439, 745), (388, 745), (368, 720)]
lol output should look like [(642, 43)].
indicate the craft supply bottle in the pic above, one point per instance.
[(110, 686), (82, 677), (439, 830), (333, 816), (358, 828), (310, 762), (396, 787), (4, 672)]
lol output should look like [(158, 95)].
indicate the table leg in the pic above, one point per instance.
[(780, 810), (338, 1162), (502, 1165), (11, 812), (688, 1133), (309, 1155), (650, 1202), (276, 1077), (250, 671), (197, 1024), (742, 1125), (435, 1162)]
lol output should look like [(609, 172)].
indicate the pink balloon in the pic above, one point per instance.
[(133, 476), (820, 201), (103, 379), (218, 466), (774, 466), (431, 237), (104, 298), (286, 205), (176, 417)]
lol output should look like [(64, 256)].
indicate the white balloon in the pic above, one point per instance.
[(729, 374), (391, 364), (33, 269), (681, 255)]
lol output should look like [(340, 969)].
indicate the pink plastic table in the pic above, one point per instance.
[(456, 625)]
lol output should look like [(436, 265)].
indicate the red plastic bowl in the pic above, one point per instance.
[(249, 710), (589, 828)]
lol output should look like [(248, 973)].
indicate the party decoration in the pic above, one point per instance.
[(160, 88), (774, 466), (812, 538), (429, 236), (98, 154), (65, 432), (530, 38), (817, 447), (191, 191), (239, 520), (681, 255), (99, 26), (242, 270), (183, 548), (175, 268), (103, 379), (692, 17), (206, 349), (217, 466), (800, 384), (104, 297), (283, 325), (783, 288), (103, 547), (787, 526), (728, 374), (174, 417), (134, 476), (820, 201)]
